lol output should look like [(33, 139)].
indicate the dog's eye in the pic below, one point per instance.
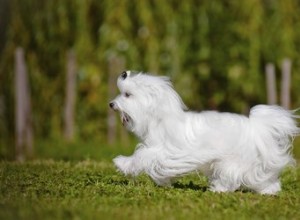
[(127, 94)]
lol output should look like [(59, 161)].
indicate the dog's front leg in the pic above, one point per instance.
[(127, 165), (140, 161)]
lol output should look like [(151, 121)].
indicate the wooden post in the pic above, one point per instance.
[(24, 132), (286, 83), (70, 96), (115, 66), (271, 84)]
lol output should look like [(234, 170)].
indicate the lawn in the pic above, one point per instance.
[(93, 190), (90, 188)]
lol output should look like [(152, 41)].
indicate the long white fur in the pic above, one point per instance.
[(232, 150)]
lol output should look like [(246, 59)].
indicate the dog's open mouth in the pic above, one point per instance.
[(125, 118)]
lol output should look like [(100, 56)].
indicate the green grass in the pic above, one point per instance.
[(80, 150), (95, 150), (90, 189), (78, 181)]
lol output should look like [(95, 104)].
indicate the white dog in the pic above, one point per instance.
[(232, 150)]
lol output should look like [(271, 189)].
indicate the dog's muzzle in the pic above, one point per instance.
[(125, 118), (113, 106)]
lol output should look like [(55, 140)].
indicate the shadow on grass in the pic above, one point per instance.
[(177, 185), (191, 186), (119, 182), (195, 187)]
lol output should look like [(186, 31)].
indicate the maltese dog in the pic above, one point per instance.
[(232, 150)]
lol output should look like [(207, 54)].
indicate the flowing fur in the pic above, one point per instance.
[(232, 150)]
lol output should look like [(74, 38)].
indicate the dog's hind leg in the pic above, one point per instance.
[(262, 180), (272, 189), (222, 185), (225, 177), (271, 186)]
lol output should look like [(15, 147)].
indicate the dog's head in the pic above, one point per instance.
[(145, 99)]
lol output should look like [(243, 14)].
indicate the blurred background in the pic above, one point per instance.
[(59, 60)]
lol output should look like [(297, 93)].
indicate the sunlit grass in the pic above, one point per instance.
[(90, 189), (78, 181)]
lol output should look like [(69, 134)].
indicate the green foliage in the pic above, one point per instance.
[(214, 51), (94, 190)]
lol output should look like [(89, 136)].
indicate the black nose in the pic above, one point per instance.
[(111, 104)]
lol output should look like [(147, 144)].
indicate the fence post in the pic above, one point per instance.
[(24, 132), (271, 84), (115, 65), (70, 96), (286, 83)]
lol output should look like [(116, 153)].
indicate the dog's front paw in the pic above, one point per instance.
[(123, 164)]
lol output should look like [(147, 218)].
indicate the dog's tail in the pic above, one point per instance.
[(274, 129)]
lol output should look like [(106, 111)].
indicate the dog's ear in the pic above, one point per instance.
[(167, 97), (124, 75)]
